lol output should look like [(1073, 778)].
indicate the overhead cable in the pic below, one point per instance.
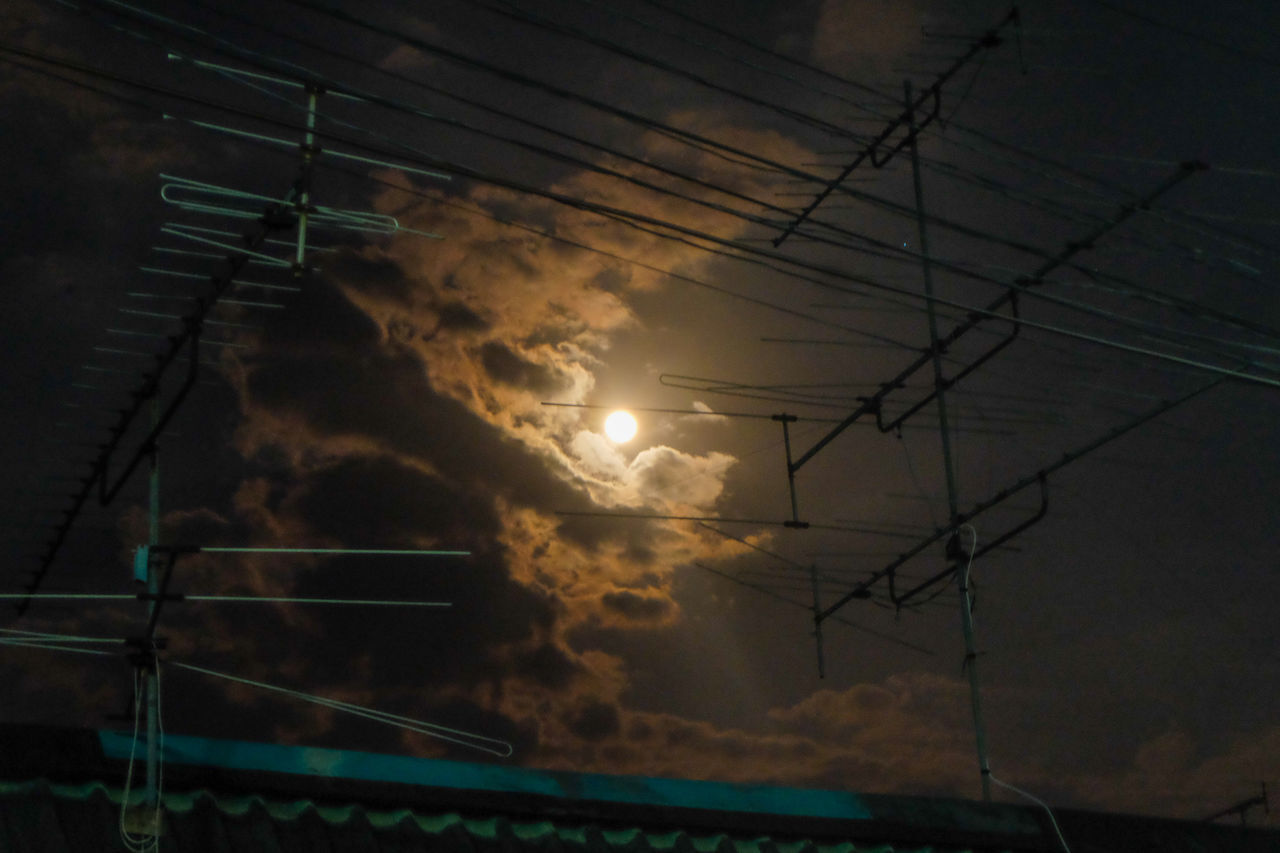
[(642, 220), (884, 203)]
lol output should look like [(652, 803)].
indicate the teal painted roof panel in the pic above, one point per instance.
[(458, 775)]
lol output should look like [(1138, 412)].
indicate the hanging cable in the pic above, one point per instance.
[(1061, 839), (508, 10), (1059, 300), (492, 746)]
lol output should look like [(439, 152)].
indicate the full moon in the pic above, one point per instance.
[(620, 426)]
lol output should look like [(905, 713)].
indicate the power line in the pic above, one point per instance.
[(1149, 293), (605, 44), (1193, 35), (640, 220)]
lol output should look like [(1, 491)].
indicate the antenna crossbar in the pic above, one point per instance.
[(872, 152)]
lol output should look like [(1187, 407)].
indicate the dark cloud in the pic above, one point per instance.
[(387, 399), (641, 608), (457, 316), (636, 536), (595, 721), (322, 318), (504, 365), (382, 502), (489, 631), (546, 665), (370, 274), (397, 401)]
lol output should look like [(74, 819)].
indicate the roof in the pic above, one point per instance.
[(61, 790)]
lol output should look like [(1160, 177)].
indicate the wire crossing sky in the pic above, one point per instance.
[(861, 273)]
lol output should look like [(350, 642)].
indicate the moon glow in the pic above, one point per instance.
[(620, 426)]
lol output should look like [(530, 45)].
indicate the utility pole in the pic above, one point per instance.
[(953, 512), (149, 675)]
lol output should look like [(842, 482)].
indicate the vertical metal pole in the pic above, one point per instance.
[(817, 622), (153, 586), (304, 196), (966, 609), (971, 664), (927, 269), (785, 419)]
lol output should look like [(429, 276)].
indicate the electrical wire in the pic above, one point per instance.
[(492, 746), (41, 636), (33, 644), (861, 87), (1061, 839), (778, 597), (941, 223), (136, 843), (1193, 35), (892, 102), (506, 9), (632, 218), (870, 198), (1152, 244), (706, 47), (1053, 170)]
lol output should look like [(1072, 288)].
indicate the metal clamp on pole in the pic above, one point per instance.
[(905, 598)]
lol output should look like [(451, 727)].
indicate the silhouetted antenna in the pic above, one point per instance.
[(944, 433), (1040, 478), (117, 459), (1242, 808), (268, 217), (880, 157), (873, 404), (798, 603)]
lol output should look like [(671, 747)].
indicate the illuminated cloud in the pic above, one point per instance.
[(708, 415), (868, 738)]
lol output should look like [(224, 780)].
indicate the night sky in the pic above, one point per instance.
[(610, 180)]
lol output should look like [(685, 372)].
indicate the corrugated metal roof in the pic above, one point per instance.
[(62, 793), (44, 817)]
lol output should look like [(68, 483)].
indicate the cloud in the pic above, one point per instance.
[(679, 480), (398, 403), (708, 415), (1171, 774), (866, 738), (637, 607), (860, 36), (594, 721), (406, 58), (660, 478)]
